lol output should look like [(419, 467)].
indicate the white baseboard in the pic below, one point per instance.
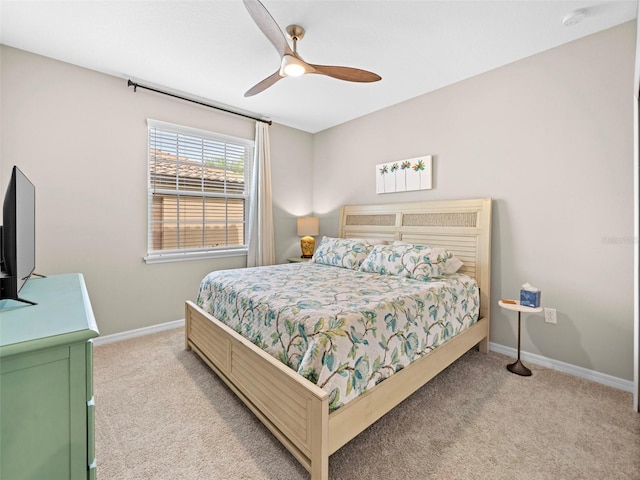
[(603, 378), (138, 332)]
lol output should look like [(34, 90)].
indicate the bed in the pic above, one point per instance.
[(307, 419)]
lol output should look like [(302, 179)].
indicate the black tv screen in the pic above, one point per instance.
[(18, 234)]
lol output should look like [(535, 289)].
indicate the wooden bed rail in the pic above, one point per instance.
[(351, 419), (294, 409)]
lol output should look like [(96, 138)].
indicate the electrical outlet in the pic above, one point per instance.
[(550, 315)]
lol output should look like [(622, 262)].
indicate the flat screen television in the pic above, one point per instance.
[(18, 236)]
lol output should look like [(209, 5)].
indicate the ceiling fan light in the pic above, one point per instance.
[(292, 67)]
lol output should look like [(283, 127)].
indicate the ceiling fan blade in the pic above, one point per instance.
[(268, 26), (346, 73), (264, 84)]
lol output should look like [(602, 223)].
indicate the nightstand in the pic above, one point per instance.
[(517, 367), (297, 260)]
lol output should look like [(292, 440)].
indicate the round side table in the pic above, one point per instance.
[(517, 367)]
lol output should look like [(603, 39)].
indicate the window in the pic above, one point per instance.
[(199, 185)]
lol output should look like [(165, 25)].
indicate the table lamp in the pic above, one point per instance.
[(307, 226)]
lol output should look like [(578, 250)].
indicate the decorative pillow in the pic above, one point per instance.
[(341, 252), (446, 261), (420, 262)]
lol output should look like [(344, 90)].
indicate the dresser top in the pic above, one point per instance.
[(62, 315)]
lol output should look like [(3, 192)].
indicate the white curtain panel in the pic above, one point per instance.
[(261, 244)]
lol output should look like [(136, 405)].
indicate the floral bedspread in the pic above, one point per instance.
[(345, 330)]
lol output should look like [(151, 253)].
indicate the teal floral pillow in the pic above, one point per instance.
[(420, 262), (341, 252)]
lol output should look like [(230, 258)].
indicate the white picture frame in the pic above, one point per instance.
[(405, 175)]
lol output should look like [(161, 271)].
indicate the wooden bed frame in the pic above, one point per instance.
[(294, 409)]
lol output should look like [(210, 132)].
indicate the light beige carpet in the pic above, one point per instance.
[(162, 414)]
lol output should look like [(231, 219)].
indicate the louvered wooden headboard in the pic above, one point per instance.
[(461, 226)]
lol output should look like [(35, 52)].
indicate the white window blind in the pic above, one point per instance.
[(199, 184)]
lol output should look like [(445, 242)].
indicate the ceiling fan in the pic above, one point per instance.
[(292, 64)]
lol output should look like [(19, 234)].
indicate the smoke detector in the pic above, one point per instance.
[(574, 17)]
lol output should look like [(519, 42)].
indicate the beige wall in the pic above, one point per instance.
[(81, 138), (550, 138)]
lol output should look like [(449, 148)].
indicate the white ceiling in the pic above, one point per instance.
[(213, 50)]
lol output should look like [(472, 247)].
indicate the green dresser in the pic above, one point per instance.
[(46, 382)]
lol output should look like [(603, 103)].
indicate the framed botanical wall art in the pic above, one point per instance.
[(404, 175)]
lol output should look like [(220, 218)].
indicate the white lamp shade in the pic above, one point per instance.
[(292, 67), (308, 226)]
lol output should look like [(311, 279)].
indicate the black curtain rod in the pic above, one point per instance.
[(137, 85)]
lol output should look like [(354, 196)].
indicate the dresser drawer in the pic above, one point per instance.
[(35, 425), (91, 413), (89, 354), (91, 432)]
